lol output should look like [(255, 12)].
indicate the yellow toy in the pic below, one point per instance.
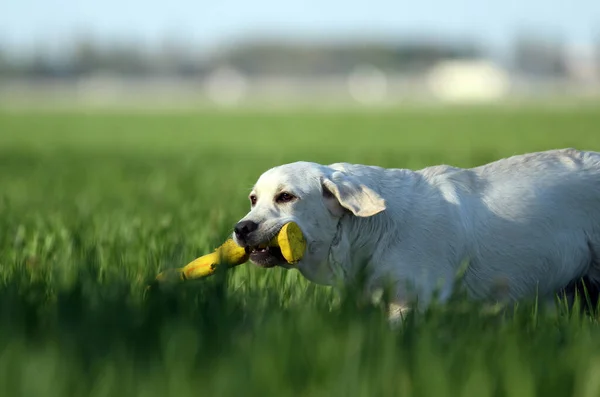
[(289, 239)]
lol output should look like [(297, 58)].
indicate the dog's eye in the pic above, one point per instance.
[(253, 200), (284, 197)]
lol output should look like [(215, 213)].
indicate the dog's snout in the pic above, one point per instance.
[(244, 228)]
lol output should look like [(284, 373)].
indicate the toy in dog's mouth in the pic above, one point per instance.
[(266, 256), (286, 247)]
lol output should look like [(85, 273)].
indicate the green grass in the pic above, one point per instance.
[(92, 206)]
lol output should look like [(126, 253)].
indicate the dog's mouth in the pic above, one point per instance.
[(265, 256)]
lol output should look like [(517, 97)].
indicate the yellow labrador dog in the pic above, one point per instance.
[(529, 223)]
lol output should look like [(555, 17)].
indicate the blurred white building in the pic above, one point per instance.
[(468, 81)]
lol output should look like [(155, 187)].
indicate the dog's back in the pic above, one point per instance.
[(538, 221), (531, 221)]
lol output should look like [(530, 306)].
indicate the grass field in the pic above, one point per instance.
[(93, 205)]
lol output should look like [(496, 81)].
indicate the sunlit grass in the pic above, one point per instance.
[(94, 206)]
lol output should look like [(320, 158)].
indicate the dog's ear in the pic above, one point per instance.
[(343, 192)]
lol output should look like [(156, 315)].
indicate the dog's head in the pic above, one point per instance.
[(314, 196)]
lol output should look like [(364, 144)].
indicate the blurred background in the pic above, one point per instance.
[(233, 53), (94, 204)]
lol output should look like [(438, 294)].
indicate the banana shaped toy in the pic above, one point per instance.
[(289, 239)]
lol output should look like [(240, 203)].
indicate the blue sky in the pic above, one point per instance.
[(210, 23)]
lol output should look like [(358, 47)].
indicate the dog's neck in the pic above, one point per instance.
[(353, 246)]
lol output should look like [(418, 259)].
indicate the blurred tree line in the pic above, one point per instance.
[(85, 57)]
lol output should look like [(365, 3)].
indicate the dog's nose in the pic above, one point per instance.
[(244, 228)]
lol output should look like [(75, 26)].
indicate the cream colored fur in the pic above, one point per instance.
[(525, 224)]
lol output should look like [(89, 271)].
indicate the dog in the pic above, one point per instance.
[(526, 225)]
